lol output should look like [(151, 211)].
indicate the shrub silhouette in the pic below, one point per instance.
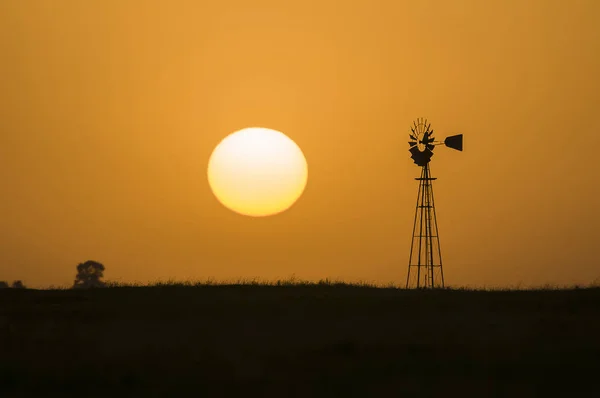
[(3, 285), (18, 285), (89, 275)]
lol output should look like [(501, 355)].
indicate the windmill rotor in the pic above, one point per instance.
[(421, 142)]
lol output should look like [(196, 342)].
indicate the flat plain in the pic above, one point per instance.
[(298, 340)]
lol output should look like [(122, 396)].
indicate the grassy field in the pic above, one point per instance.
[(327, 340)]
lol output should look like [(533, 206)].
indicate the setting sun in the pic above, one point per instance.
[(257, 172)]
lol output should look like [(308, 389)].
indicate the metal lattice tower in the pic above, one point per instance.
[(425, 261)]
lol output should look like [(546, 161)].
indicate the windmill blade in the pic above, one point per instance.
[(419, 159), (427, 138), (430, 147), (412, 143), (417, 156), (414, 151), (454, 142), (412, 137)]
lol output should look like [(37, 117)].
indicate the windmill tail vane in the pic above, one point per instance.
[(425, 260)]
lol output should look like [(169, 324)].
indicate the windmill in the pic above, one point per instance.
[(425, 262)]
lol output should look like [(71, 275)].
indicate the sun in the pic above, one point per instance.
[(257, 172)]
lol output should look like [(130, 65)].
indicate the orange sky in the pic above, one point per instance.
[(109, 111)]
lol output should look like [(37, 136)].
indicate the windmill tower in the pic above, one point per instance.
[(425, 262)]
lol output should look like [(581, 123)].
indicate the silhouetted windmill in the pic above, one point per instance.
[(425, 262)]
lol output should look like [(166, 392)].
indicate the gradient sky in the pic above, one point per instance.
[(109, 111)]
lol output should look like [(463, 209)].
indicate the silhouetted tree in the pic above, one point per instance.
[(18, 285), (3, 285), (89, 274)]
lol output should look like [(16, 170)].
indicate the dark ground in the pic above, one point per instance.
[(298, 341)]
